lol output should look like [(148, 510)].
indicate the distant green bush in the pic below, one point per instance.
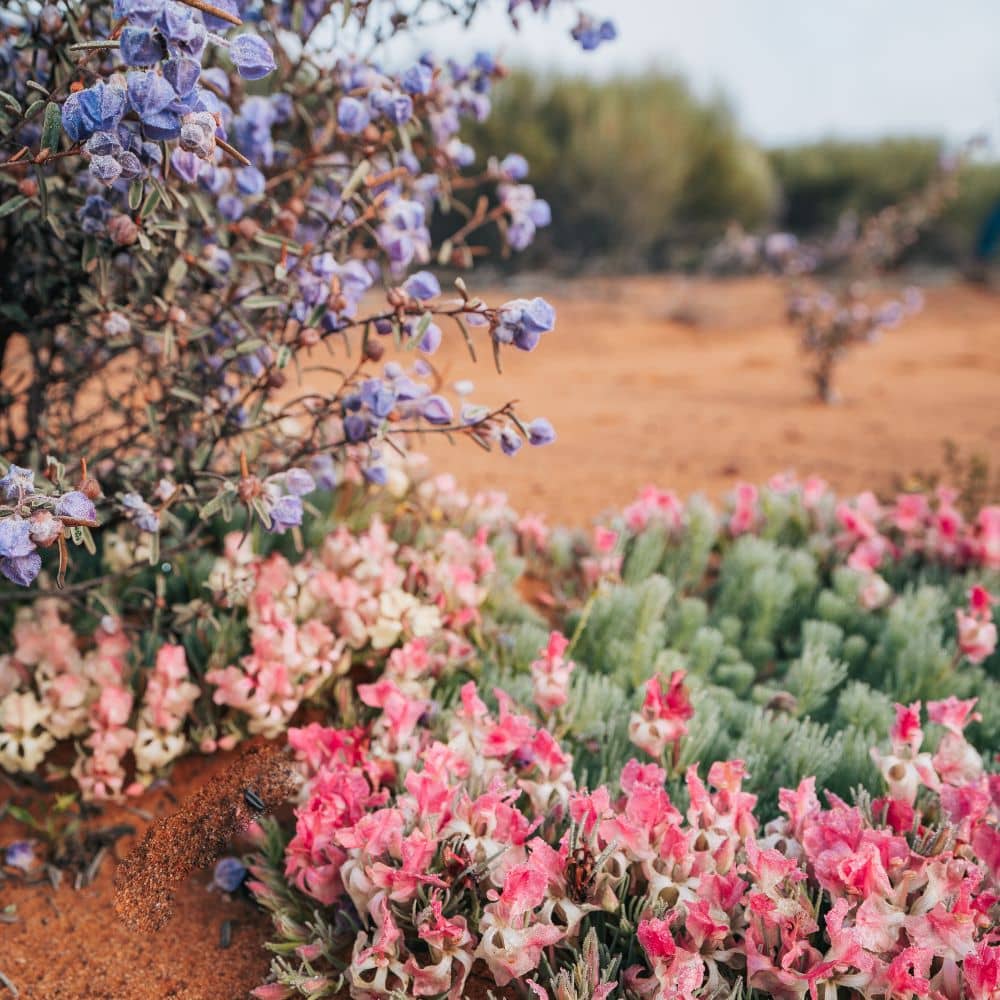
[(644, 174), (821, 181), (635, 169)]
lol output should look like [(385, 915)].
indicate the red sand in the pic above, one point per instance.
[(636, 397)]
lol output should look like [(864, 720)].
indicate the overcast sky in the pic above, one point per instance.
[(794, 69)]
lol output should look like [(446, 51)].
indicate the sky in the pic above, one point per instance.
[(794, 70)]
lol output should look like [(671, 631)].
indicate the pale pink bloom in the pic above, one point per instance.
[(911, 512), (813, 491), (977, 639), (551, 673), (875, 592), (653, 504), (662, 720), (870, 553), (605, 539), (987, 538), (532, 528), (745, 513)]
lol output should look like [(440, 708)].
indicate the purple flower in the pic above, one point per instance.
[(140, 47), (150, 97), (183, 29), (378, 397), (182, 74), (97, 109), (437, 410), (417, 79), (286, 512), (17, 482), (352, 115), (15, 540), (105, 169), (138, 11), (230, 207), (522, 322), (250, 181), (325, 471), (299, 482), (514, 166), (229, 874), (431, 340), (185, 165), (356, 428), (540, 432), (540, 213), (19, 562), (252, 56), (78, 506), (422, 285), (146, 519), (20, 854), (510, 441)]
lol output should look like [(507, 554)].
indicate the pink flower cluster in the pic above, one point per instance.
[(362, 598), (58, 686), (468, 840), (357, 598), (864, 531)]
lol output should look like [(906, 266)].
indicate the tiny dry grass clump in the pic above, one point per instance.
[(196, 835)]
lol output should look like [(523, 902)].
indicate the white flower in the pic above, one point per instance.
[(20, 748), (154, 749)]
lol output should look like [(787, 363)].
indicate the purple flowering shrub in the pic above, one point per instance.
[(832, 284), (201, 205)]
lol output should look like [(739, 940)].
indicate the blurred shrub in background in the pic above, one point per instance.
[(636, 169), (644, 174)]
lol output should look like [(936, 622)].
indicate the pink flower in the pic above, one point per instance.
[(551, 673), (532, 528), (662, 720), (678, 972), (977, 639), (981, 973), (911, 512), (653, 504), (987, 539), (745, 513)]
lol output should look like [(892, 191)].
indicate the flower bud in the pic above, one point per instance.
[(198, 134), (122, 230)]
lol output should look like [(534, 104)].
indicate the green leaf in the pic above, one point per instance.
[(212, 507), (135, 190), (12, 205), (51, 127), (278, 242), (33, 108), (185, 394), (12, 102), (23, 816), (43, 190), (262, 301)]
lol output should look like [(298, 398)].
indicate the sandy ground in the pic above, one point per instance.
[(638, 396)]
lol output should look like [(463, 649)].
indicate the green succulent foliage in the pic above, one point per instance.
[(787, 669)]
